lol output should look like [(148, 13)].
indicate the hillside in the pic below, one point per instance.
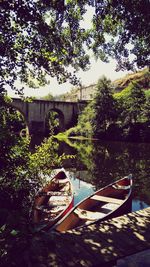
[(86, 93), (142, 77)]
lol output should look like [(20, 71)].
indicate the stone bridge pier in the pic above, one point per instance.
[(35, 113)]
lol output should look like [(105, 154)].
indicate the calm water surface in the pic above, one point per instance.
[(97, 164)]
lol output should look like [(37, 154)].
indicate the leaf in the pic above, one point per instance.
[(2, 229), (14, 232)]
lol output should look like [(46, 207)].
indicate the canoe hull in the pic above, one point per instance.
[(53, 201), (108, 202)]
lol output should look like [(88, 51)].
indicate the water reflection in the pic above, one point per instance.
[(81, 188), (100, 163)]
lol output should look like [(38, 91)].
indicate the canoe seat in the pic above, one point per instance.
[(48, 209), (122, 187), (88, 215), (107, 199), (53, 193), (61, 181)]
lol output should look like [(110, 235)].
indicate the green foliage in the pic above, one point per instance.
[(21, 171), (117, 116), (84, 125), (10, 154), (104, 106), (45, 158), (40, 39), (84, 121), (131, 100), (124, 94), (127, 20), (44, 38), (146, 110), (15, 187), (47, 97), (52, 122), (147, 93), (136, 101), (22, 174)]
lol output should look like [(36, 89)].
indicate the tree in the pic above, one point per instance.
[(84, 126), (135, 103), (146, 111), (47, 97), (40, 38), (121, 29), (14, 156), (104, 106)]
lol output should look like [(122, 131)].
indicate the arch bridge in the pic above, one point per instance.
[(35, 113)]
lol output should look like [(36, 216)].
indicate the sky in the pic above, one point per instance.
[(97, 70)]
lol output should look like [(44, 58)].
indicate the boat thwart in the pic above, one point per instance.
[(108, 202)]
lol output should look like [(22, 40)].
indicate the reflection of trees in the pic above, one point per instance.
[(84, 153), (106, 162), (122, 159)]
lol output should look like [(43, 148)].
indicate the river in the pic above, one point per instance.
[(96, 164)]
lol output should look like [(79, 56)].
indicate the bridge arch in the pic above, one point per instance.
[(24, 131), (35, 112)]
